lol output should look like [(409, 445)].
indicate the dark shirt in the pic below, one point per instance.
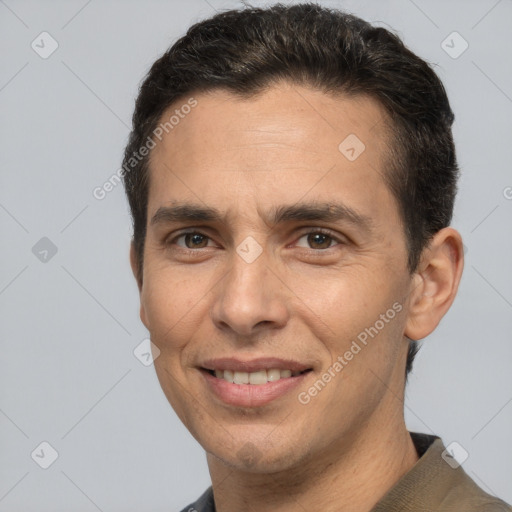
[(436, 483)]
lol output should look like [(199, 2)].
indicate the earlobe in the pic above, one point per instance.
[(435, 284)]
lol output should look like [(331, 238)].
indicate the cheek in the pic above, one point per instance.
[(341, 298), (170, 304), (352, 305)]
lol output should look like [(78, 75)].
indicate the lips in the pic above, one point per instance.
[(252, 383)]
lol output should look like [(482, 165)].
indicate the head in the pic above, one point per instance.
[(257, 124)]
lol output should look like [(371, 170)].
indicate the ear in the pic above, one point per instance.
[(137, 273), (435, 283)]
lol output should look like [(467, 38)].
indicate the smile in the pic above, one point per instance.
[(257, 378), (251, 389)]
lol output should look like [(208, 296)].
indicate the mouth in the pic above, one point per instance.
[(256, 378), (252, 383)]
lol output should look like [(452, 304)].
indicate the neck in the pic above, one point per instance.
[(353, 475)]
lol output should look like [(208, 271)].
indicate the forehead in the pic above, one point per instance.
[(284, 112), (287, 141)]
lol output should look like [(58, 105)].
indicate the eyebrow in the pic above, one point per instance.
[(311, 211)]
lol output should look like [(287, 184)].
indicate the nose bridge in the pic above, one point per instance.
[(244, 285), (249, 261), (249, 294)]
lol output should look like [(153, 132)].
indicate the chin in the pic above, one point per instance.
[(252, 457)]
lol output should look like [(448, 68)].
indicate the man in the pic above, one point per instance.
[(291, 175)]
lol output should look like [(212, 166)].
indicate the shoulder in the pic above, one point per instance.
[(438, 483)]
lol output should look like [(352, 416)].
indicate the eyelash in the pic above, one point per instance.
[(322, 231)]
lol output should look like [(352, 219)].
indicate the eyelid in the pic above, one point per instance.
[(171, 239), (307, 231), (324, 231)]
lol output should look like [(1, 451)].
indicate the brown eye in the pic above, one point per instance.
[(317, 240), (193, 240)]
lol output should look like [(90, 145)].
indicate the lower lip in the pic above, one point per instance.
[(251, 395)]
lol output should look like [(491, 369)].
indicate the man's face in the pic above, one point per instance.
[(270, 285)]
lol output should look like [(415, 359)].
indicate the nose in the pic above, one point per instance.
[(250, 298)]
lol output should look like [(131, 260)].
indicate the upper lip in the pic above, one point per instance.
[(253, 365)]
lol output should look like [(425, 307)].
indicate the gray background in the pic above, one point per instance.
[(70, 323)]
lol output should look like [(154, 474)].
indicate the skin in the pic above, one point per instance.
[(304, 298)]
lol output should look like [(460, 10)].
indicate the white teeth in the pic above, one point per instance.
[(273, 375), (258, 377), (255, 378), (241, 378), (228, 375)]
